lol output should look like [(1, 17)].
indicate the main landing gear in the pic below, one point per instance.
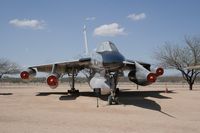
[(72, 83), (73, 91)]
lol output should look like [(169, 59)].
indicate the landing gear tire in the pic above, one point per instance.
[(73, 91), (112, 100), (116, 101), (117, 91)]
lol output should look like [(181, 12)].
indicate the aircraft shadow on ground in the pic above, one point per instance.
[(134, 98), (6, 94)]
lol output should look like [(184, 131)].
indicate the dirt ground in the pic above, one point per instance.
[(37, 108)]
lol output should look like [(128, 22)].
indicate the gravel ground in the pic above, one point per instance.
[(37, 108)]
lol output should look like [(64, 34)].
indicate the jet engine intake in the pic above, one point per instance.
[(142, 76), (52, 80), (28, 74), (159, 71)]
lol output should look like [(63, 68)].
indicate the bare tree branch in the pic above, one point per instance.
[(8, 67), (173, 56)]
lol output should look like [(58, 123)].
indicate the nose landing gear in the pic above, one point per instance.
[(113, 99)]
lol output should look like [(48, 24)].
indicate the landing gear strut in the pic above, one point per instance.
[(113, 99), (72, 83), (97, 91)]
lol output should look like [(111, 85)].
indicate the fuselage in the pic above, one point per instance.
[(104, 60)]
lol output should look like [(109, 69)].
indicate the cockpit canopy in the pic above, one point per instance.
[(107, 46)]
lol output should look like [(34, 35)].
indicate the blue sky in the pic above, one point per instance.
[(43, 31)]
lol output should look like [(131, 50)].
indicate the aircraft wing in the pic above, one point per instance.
[(197, 67), (65, 66), (130, 65)]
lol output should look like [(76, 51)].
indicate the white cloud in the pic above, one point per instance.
[(136, 17), (109, 30), (28, 23), (90, 18)]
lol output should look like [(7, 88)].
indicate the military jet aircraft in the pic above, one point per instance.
[(102, 68)]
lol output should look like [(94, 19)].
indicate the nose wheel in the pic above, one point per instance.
[(113, 100)]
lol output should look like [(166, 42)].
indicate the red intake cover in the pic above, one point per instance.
[(52, 81), (151, 77), (24, 75), (159, 71)]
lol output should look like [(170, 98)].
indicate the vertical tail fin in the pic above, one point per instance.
[(85, 39)]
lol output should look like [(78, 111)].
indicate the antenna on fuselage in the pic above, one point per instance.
[(85, 39)]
